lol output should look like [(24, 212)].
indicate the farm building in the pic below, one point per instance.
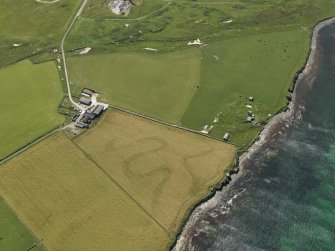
[(98, 110), (87, 92), (85, 101), (81, 125)]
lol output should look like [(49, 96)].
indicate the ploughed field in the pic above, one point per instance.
[(126, 182)]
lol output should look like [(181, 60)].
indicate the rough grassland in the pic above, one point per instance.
[(166, 170), (156, 85), (30, 95), (261, 66), (71, 204), (14, 235), (36, 26)]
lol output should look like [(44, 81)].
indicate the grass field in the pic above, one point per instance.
[(253, 48), (261, 66), (160, 86), (166, 170), (71, 204), (13, 234), (36, 26), (30, 95)]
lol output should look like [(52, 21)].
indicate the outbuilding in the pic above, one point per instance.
[(226, 137), (81, 125), (87, 92), (85, 101), (98, 110)]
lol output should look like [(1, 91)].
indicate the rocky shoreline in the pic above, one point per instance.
[(269, 133)]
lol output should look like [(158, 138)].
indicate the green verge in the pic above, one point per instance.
[(160, 86), (30, 97), (261, 66), (13, 234)]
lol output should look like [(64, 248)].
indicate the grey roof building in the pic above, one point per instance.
[(98, 110), (87, 92), (85, 101)]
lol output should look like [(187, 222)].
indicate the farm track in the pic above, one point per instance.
[(64, 55)]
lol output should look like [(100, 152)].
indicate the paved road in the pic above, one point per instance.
[(64, 56)]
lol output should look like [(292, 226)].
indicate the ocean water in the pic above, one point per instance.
[(285, 198)]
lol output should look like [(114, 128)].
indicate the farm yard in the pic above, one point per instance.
[(149, 177), (160, 86), (30, 95)]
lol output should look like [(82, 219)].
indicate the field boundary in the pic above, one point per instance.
[(30, 144), (118, 108), (40, 241), (122, 189)]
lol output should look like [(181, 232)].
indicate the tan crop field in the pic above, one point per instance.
[(165, 169), (126, 184), (71, 205)]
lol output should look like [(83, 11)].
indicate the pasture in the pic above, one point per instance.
[(71, 204), (261, 66), (210, 21), (160, 85), (166, 170), (13, 234), (32, 26), (30, 95)]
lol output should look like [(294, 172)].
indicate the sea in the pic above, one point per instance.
[(284, 197)]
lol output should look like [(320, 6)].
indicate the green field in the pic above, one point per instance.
[(36, 26), (252, 48), (173, 27), (160, 85), (29, 101), (13, 234), (261, 66)]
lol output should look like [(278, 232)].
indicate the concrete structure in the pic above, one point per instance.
[(226, 137)]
